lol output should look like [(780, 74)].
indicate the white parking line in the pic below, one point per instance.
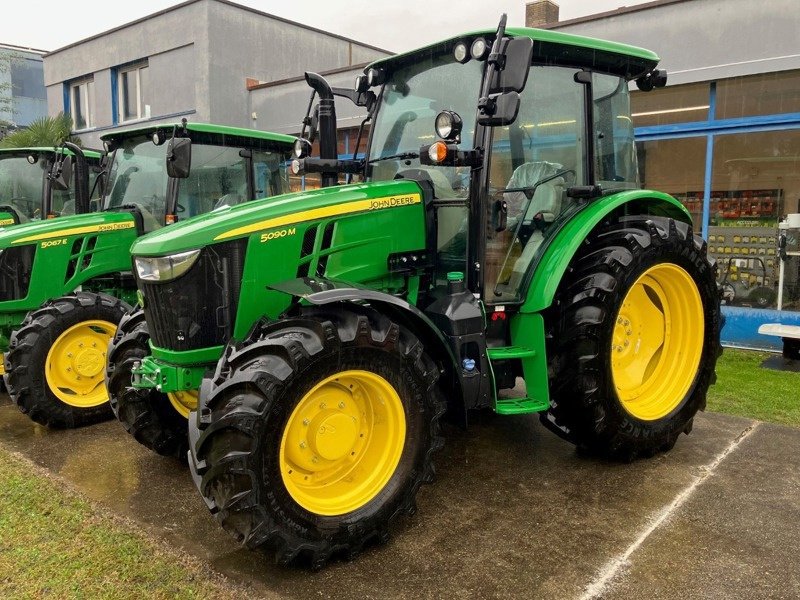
[(607, 574)]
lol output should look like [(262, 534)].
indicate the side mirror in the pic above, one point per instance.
[(179, 157), (518, 53), (498, 109), (499, 215), (63, 175)]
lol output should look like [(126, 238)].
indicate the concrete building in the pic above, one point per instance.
[(191, 60), (724, 138), (21, 85)]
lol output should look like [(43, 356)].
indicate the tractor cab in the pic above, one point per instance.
[(39, 183), (171, 173)]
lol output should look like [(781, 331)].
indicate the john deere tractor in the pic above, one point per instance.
[(66, 283), (37, 183), (501, 233)]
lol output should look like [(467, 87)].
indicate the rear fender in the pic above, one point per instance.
[(547, 272)]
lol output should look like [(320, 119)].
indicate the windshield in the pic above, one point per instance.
[(138, 178), (218, 177), (411, 99), (21, 184)]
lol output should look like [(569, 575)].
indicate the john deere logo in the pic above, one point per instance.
[(393, 201)]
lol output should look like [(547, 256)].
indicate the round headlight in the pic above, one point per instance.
[(31, 159), (361, 84), (375, 77), (448, 125), (294, 167), (479, 49), (460, 52), (158, 137), (301, 148)]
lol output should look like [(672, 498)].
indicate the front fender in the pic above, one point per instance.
[(557, 255), (319, 291)]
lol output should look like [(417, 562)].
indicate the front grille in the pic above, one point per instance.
[(198, 309), (16, 265)]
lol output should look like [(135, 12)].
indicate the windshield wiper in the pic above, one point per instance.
[(401, 156)]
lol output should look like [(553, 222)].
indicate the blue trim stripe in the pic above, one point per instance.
[(114, 98)]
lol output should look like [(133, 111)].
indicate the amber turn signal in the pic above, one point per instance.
[(437, 152)]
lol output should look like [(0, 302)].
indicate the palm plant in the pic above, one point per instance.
[(43, 132)]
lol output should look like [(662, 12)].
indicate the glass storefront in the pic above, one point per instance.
[(730, 152)]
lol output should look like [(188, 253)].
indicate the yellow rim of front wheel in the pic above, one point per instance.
[(184, 402), (75, 364), (657, 342), (342, 442)]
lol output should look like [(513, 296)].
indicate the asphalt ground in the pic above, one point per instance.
[(515, 512)]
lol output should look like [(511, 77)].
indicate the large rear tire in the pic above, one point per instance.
[(56, 359), (633, 338), (316, 432), (155, 420)]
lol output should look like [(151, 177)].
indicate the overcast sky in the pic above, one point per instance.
[(392, 25)]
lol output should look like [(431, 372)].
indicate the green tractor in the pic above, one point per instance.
[(37, 183), (66, 283), (352, 318)]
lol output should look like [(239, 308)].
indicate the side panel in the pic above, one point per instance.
[(68, 256), (352, 247), (559, 252)]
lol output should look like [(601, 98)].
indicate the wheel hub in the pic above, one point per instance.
[(342, 442), (657, 341), (75, 363), (89, 362), (333, 435)]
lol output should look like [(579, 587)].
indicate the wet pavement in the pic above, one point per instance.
[(515, 512)]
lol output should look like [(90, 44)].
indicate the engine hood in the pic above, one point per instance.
[(262, 216), (64, 227)]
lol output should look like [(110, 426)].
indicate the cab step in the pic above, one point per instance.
[(520, 406)]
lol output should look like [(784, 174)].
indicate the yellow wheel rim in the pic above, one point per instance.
[(75, 364), (657, 342), (184, 402), (342, 442)]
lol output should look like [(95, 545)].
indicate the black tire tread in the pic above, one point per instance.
[(146, 414), (580, 385), (33, 338), (227, 414)]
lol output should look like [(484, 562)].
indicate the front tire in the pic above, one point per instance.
[(55, 363), (633, 338), (316, 432), (155, 420)]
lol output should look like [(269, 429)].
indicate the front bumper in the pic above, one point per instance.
[(169, 372)]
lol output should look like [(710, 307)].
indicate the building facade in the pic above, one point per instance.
[(22, 92), (724, 138), (191, 60)]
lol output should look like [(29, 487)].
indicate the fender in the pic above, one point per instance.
[(547, 272), (319, 291)]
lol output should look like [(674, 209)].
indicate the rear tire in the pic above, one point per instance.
[(147, 414), (243, 433), (55, 363), (622, 388)]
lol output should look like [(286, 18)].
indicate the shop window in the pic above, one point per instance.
[(676, 167), (767, 94), (27, 79), (81, 103), (755, 182), (132, 92), (678, 104)]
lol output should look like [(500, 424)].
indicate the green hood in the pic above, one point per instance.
[(274, 213)]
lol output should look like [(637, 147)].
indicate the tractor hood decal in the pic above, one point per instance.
[(327, 211), (279, 211), (65, 227)]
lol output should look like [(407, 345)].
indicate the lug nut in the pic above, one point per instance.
[(302, 444), (341, 405), (306, 422)]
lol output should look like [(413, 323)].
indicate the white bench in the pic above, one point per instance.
[(790, 334)]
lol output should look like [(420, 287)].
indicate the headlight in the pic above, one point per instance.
[(165, 268)]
